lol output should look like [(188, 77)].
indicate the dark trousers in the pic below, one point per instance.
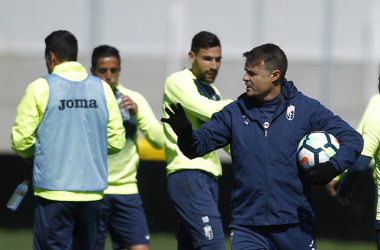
[(65, 224), (194, 195)]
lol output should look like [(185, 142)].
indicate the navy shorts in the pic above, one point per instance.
[(65, 224), (291, 236), (194, 195), (123, 216)]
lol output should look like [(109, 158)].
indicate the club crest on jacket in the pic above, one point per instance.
[(290, 112)]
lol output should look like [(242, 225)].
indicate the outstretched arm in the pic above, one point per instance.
[(212, 135), (180, 125), (178, 121)]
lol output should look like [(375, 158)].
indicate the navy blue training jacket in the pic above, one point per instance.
[(269, 187)]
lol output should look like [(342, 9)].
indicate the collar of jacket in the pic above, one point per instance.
[(249, 108)]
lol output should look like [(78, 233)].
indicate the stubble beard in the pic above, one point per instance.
[(210, 80)]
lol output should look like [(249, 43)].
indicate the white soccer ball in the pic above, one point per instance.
[(316, 147)]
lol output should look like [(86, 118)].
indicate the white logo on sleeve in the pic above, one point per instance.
[(147, 236), (290, 112), (208, 232)]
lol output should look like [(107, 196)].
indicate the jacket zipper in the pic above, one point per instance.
[(266, 177), (266, 168)]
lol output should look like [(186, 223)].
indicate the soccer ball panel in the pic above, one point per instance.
[(316, 147), (306, 157), (334, 141)]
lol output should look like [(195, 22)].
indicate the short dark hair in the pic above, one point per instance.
[(104, 51), (63, 44), (204, 39), (273, 57)]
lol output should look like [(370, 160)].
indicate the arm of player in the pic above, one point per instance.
[(148, 123), (321, 174), (115, 128), (351, 142), (128, 104), (181, 127), (178, 121), (212, 135), (371, 136), (29, 115), (22, 139), (330, 187), (354, 173), (190, 99)]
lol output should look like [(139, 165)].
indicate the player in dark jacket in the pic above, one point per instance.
[(271, 202)]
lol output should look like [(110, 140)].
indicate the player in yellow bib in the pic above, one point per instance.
[(66, 124), (122, 212)]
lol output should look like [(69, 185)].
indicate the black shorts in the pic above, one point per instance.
[(123, 216), (194, 195)]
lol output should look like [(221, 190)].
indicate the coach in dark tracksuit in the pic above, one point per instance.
[(272, 205)]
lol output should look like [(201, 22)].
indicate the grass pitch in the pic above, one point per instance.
[(23, 239)]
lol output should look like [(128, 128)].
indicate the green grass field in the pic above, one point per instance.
[(22, 239)]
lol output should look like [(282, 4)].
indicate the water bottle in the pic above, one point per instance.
[(18, 195), (124, 113)]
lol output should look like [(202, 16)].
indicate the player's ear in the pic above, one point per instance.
[(192, 57), (275, 75), (51, 59), (93, 71)]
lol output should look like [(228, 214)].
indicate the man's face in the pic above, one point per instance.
[(259, 83), (206, 63), (108, 70)]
